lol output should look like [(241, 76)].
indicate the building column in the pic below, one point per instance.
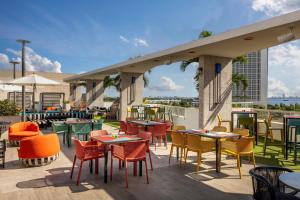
[(94, 93), (132, 86), (215, 90), (75, 93)]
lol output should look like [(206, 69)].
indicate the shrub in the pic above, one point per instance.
[(7, 108)]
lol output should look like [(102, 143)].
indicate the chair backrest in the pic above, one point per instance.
[(135, 149), (79, 149), (169, 125), (193, 141), (271, 175), (97, 125), (123, 126), (219, 118), (98, 133), (60, 127), (82, 128), (145, 135), (178, 138), (242, 131), (159, 130), (262, 189), (132, 129), (23, 126), (219, 129), (178, 127)]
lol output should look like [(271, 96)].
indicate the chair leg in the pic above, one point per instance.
[(64, 138), (253, 160), (126, 173), (198, 161), (96, 165), (186, 155), (265, 142), (74, 161), (79, 172), (166, 143), (120, 165), (111, 167), (151, 160), (146, 170), (171, 152), (238, 159), (181, 152)]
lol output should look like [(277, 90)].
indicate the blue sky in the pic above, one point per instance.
[(77, 36)]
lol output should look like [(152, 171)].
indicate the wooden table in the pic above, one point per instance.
[(291, 180), (286, 119), (108, 140), (254, 113), (217, 136)]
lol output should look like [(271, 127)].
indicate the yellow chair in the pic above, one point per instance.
[(240, 147), (178, 140), (199, 145), (219, 129), (221, 121)]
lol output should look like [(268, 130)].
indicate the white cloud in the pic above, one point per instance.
[(275, 7), (124, 39), (139, 42), (34, 61), (4, 61), (277, 88), (166, 84)]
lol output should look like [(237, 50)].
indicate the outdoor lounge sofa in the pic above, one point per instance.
[(39, 150), (21, 130)]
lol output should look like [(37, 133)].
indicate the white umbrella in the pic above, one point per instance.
[(32, 80), (9, 88)]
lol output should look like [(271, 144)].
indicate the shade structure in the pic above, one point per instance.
[(33, 80), (9, 88)]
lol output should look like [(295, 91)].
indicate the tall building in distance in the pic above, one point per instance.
[(256, 72)]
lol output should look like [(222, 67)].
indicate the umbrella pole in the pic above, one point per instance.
[(33, 97), (23, 102)]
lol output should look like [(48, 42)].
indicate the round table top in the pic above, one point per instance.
[(291, 180)]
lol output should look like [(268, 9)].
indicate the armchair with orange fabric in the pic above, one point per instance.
[(21, 130)]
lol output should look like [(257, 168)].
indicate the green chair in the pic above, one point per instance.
[(82, 129), (62, 128), (97, 125)]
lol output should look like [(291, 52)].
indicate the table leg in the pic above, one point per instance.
[(105, 163), (91, 166), (255, 128), (217, 156), (286, 137), (141, 168), (177, 153), (135, 169)]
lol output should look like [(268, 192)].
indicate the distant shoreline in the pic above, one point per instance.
[(283, 100)]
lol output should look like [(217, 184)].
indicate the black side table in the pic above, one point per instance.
[(2, 153)]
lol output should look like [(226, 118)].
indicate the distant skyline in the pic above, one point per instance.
[(76, 36)]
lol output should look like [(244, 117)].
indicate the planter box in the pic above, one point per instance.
[(12, 119)]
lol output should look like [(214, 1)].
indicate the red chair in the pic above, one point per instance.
[(85, 151), (132, 129), (129, 152), (98, 133), (123, 126), (146, 136), (159, 132)]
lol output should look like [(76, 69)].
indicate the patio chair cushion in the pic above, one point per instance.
[(39, 150), (20, 130)]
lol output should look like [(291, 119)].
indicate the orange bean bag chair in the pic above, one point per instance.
[(21, 130), (39, 150)]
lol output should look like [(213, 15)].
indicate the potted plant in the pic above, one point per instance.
[(9, 111)]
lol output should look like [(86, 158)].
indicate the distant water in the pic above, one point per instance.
[(286, 101)]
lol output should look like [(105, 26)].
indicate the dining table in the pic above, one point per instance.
[(291, 180), (217, 136), (255, 127), (145, 123), (108, 140)]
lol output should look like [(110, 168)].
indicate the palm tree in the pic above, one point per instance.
[(184, 64)]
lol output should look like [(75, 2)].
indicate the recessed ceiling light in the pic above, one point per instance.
[(248, 38)]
